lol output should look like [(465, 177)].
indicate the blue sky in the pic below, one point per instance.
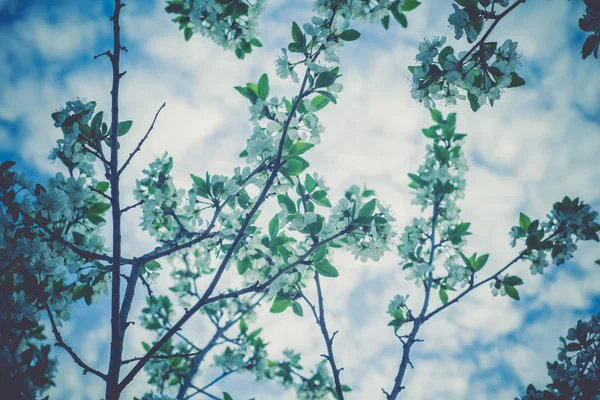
[(538, 143)]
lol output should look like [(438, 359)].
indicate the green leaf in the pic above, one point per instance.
[(285, 201), (443, 296), (436, 115), (524, 221), (295, 48), (481, 261), (512, 292), (324, 268), (326, 79), (78, 238), (247, 93), (292, 168), (329, 96), (227, 396), (399, 16), (98, 208), (297, 35), (446, 51), (516, 80), (409, 5), (297, 308), (473, 101), (320, 254), (320, 197), (102, 186), (280, 305), (124, 127), (350, 35), (368, 208), (319, 102), (512, 281), (187, 33), (263, 87), (466, 260), (274, 227), (152, 265), (255, 42), (309, 183), (300, 148), (294, 165), (95, 219), (385, 21), (243, 265)]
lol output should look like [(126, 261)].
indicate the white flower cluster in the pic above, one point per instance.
[(324, 44), (498, 290), (70, 148), (262, 146), (438, 185), (432, 174), (214, 20), (444, 79), (397, 303), (160, 199), (370, 240), (364, 11), (569, 222)]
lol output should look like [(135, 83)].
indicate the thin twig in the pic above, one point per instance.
[(61, 343), (139, 146), (328, 340), (132, 206)]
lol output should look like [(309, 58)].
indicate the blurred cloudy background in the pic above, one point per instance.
[(539, 143)]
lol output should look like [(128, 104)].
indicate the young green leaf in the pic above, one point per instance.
[(324, 268), (512, 292), (263, 87), (297, 308), (280, 305), (368, 208), (350, 35), (124, 127)]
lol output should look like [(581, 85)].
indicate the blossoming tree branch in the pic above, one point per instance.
[(56, 252)]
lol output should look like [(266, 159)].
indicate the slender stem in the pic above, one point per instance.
[(473, 287), (139, 145), (217, 379), (490, 29), (412, 337), (131, 206), (195, 365), (116, 340), (61, 343), (328, 340)]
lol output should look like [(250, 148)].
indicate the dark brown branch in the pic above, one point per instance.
[(217, 379), (132, 206), (163, 357), (412, 337), (61, 343), (113, 390), (473, 287), (96, 154), (107, 53), (139, 146), (497, 19), (52, 236), (328, 340), (93, 189)]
